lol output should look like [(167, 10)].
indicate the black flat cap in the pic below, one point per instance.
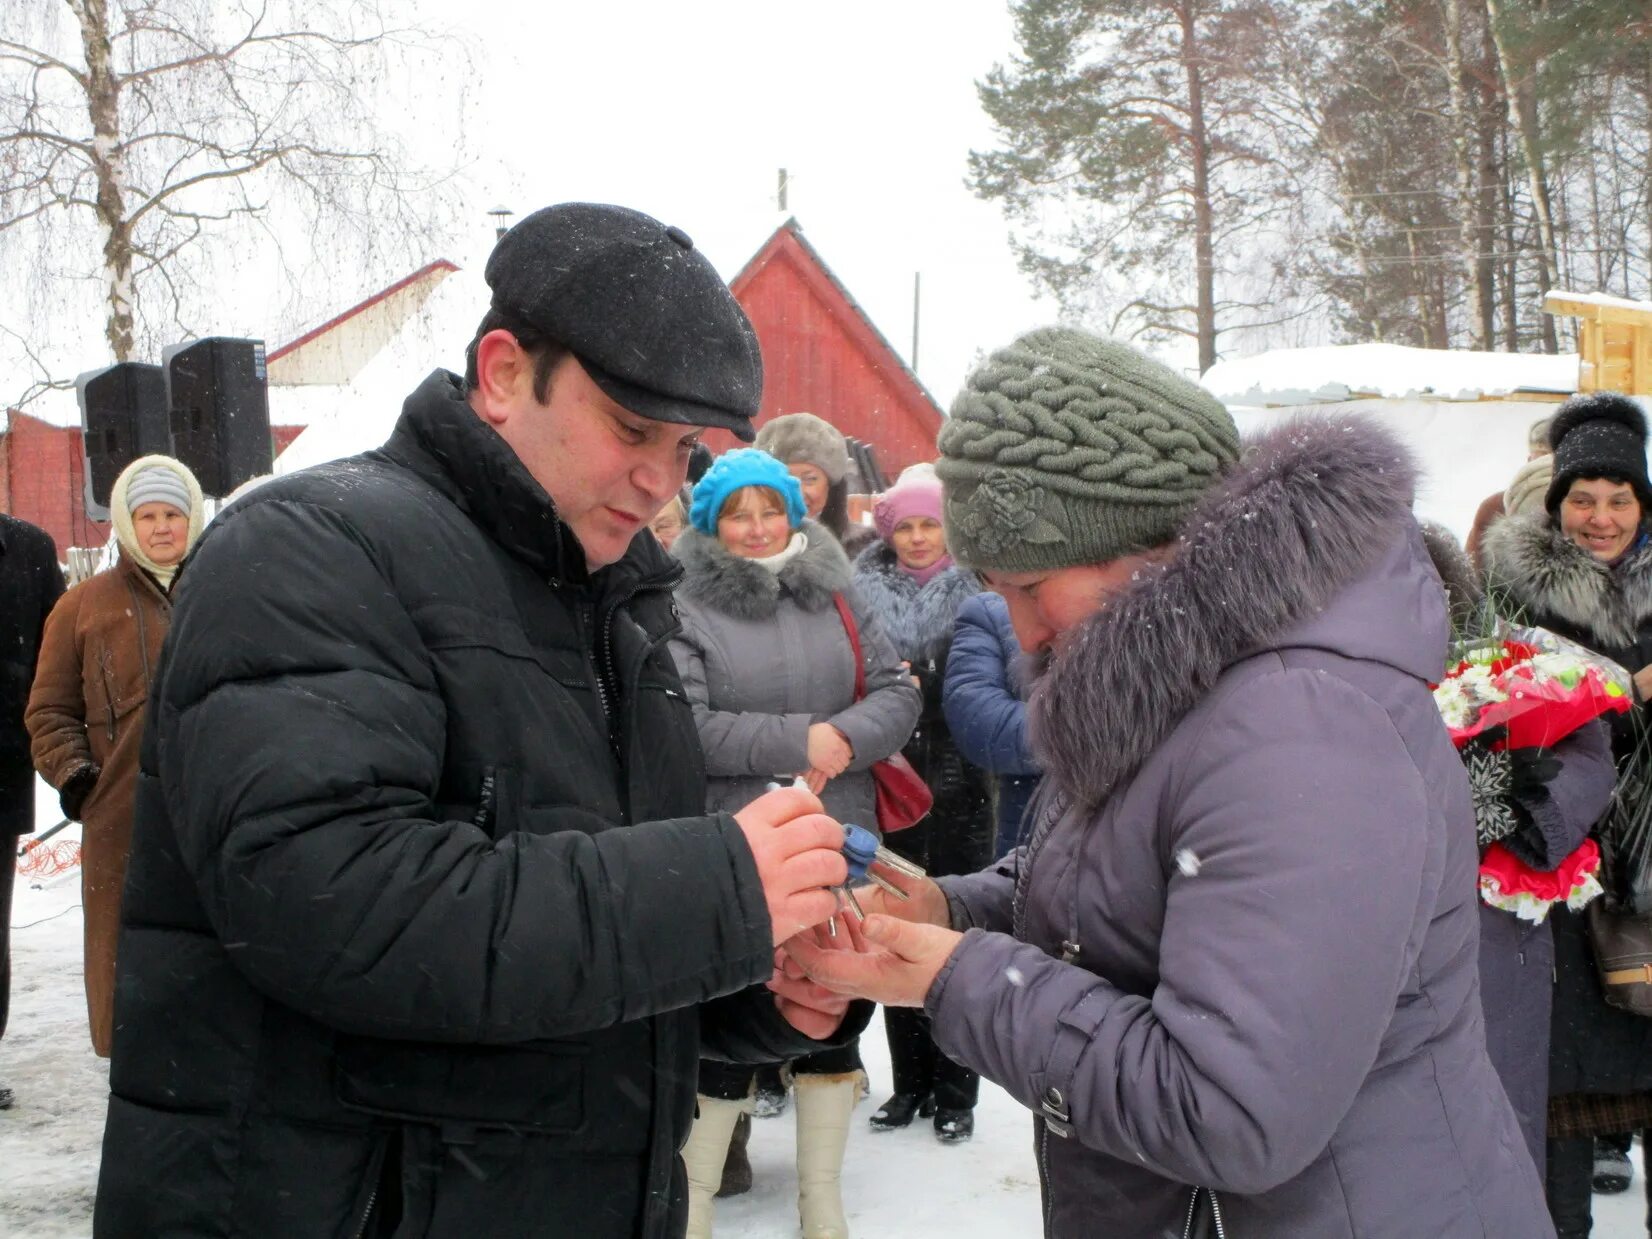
[(644, 312)]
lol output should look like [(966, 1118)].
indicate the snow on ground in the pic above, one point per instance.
[(897, 1185), (49, 1140)]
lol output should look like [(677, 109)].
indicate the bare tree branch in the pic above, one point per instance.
[(165, 127)]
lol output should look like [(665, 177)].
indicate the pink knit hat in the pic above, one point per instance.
[(917, 492)]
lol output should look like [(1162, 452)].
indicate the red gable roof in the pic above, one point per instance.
[(822, 355)]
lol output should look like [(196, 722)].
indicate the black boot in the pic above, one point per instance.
[(900, 1110), (737, 1165), (1613, 1170), (954, 1126), (771, 1092)]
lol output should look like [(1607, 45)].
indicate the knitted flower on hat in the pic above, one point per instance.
[(1066, 448)]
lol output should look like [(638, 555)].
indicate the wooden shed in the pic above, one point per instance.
[(1614, 339), (823, 355)]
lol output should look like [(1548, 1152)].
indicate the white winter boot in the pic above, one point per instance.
[(703, 1158), (824, 1104)]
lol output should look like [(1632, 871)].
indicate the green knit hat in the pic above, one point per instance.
[(1066, 448)]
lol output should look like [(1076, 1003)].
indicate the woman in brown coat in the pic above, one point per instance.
[(85, 715)]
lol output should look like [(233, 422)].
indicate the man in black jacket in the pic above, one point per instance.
[(30, 585), (425, 924)]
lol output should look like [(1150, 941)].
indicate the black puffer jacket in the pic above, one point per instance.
[(422, 893), (1537, 575), (958, 834)]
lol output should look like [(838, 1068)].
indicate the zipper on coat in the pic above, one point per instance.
[(377, 1164), (1044, 1170), (591, 639), (1193, 1213), (366, 1218), (1046, 811)]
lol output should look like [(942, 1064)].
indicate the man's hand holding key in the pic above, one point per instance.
[(799, 854)]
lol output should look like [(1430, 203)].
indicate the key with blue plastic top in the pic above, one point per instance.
[(862, 850)]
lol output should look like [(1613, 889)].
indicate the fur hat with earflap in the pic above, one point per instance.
[(1599, 435), (1530, 488), (804, 439)]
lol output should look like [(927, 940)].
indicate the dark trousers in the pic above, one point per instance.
[(8, 875), (956, 837), (732, 1081), (1569, 1185), (920, 1068)]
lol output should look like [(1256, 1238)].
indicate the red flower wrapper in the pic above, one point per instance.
[(1509, 883), (1536, 688), (1540, 711), (1539, 687)]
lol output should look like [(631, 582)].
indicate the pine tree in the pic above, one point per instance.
[(1134, 153)]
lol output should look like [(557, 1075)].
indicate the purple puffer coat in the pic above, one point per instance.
[(1244, 945)]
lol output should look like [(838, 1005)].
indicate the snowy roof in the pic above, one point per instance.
[(335, 352), (1392, 371), (1560, 301), (354, 416)]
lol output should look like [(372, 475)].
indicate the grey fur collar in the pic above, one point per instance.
[(917, 619), (746, 590), (1464, 597), (1541, 571), (1306, 512)]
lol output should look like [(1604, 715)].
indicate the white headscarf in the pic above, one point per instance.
[(121, 513)]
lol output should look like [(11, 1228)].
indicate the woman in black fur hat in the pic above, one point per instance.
[(1583, 568)]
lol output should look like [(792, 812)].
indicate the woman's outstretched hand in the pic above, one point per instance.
[(894, 962)]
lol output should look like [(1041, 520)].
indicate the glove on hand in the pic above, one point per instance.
[(71, 797), (1530, 773)]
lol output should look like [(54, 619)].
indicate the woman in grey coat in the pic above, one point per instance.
[(767, 665), (1234, 971)]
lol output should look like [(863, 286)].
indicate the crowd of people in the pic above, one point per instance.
[(464, 822)]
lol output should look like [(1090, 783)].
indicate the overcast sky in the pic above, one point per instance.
[(685, 111), (689, 111)]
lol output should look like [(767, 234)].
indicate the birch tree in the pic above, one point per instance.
[(181, 134)]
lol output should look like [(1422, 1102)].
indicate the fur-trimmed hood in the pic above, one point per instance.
[(1308, 541), (717, 578), (1537, 572), (917, 619), (1465, 598)]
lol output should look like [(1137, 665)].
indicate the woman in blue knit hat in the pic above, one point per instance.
[(767, 662)]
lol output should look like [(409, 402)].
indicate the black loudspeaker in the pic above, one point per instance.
[(122, 416), (866, 461), (217, 392)]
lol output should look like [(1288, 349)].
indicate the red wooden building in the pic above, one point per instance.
[(822, 355), (43, 478)]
